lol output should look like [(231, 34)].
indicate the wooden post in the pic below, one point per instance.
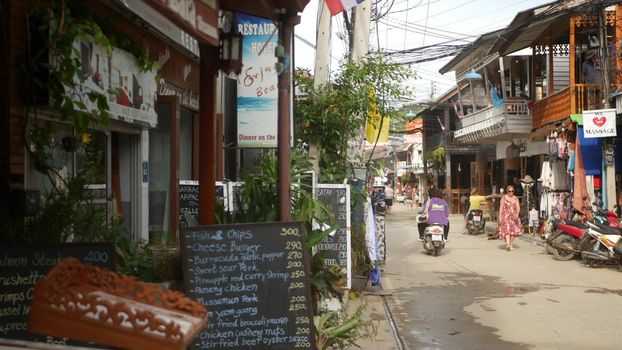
[(460, 100), (532, 73), (286, 26), (502, 75), (486, 84), (573, 78), (551, 76), (618, 37), (207, 118)]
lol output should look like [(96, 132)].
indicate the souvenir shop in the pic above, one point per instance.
[(575, 167), (554, 185)]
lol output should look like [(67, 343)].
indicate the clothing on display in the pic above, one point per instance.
[(555, 176)]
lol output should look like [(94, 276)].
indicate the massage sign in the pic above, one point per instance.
[(599, 123)]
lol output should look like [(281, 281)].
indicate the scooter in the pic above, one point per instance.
[(606, 246), (567, 239), (434, 239), (475, 222)]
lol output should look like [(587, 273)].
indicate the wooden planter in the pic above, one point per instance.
[(83, 302)]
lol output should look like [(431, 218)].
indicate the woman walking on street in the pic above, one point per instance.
[(509, 221)]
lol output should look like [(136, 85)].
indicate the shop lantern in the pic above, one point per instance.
[(230, 45)]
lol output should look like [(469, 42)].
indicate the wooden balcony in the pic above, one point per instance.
[(551, 109), (572, 100), (495, 123)]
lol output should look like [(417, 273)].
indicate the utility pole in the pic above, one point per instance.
[(358, 35), (609, 188), (320, 71)]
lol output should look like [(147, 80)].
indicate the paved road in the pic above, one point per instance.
[(476, 295)]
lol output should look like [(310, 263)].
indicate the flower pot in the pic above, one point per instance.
[(359, 283)]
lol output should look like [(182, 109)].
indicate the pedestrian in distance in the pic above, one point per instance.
[(436, 210), (408, 196), (534, 220), (509, 220), (388, 197)]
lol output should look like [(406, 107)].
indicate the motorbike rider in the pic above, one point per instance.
[(436, 210), (475, 201)]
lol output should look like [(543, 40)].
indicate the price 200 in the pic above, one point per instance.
[(302, 344), (296, 285), (297, 299), (294, 264)]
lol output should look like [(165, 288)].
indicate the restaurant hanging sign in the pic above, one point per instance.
[(130, 93), (599, 123), (257, 84)]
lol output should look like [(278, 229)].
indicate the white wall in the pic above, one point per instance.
[(532, 148)]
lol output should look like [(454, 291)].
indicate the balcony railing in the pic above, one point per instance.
[(552, 108), (587, 97), (508, 107), (571, 100)]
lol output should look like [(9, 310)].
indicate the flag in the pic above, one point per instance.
[(338, 6), (458, 113), (440, 122)]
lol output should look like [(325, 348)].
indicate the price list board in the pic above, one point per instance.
[(336, 247), (21, 266), (188, 200), (253, 279)]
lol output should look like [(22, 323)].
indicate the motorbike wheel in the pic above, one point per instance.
[(561, 254), (549, 249), (435, 252)]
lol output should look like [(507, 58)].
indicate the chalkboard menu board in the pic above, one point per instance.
[(336, 247), (188, 200), (253, 279), (23, 265)]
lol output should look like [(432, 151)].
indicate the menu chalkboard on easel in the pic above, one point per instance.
[(253, 279), (336, 246), (21, 266)]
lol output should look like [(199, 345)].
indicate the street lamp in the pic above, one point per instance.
[(471, 76)]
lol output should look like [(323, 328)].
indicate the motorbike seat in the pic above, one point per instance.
[(575, 224), (606, 230)]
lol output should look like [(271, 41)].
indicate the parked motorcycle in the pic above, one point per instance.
[(475, 222), (606, 246), (568, 239), (434, 239)]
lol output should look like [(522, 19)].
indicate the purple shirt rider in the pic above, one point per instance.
[(438, 211)]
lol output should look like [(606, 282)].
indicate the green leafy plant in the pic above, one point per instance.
[(336, 331), (332, 114)]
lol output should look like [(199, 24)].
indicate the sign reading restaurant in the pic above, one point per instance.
[(599, 123)]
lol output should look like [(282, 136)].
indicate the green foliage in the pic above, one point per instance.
[(338, 332), (258, 202), (332, 114), (437, 157)]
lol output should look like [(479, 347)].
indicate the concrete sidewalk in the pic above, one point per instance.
[(535, 239), (376, 310)]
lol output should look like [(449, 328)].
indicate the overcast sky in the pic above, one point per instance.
[(413, 24)]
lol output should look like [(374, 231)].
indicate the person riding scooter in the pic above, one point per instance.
[(436, 210), (474, 218)]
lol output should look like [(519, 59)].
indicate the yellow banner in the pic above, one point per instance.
[(373, 128), (376, 124)]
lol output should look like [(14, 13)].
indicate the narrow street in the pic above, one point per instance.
[(476, 295)]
